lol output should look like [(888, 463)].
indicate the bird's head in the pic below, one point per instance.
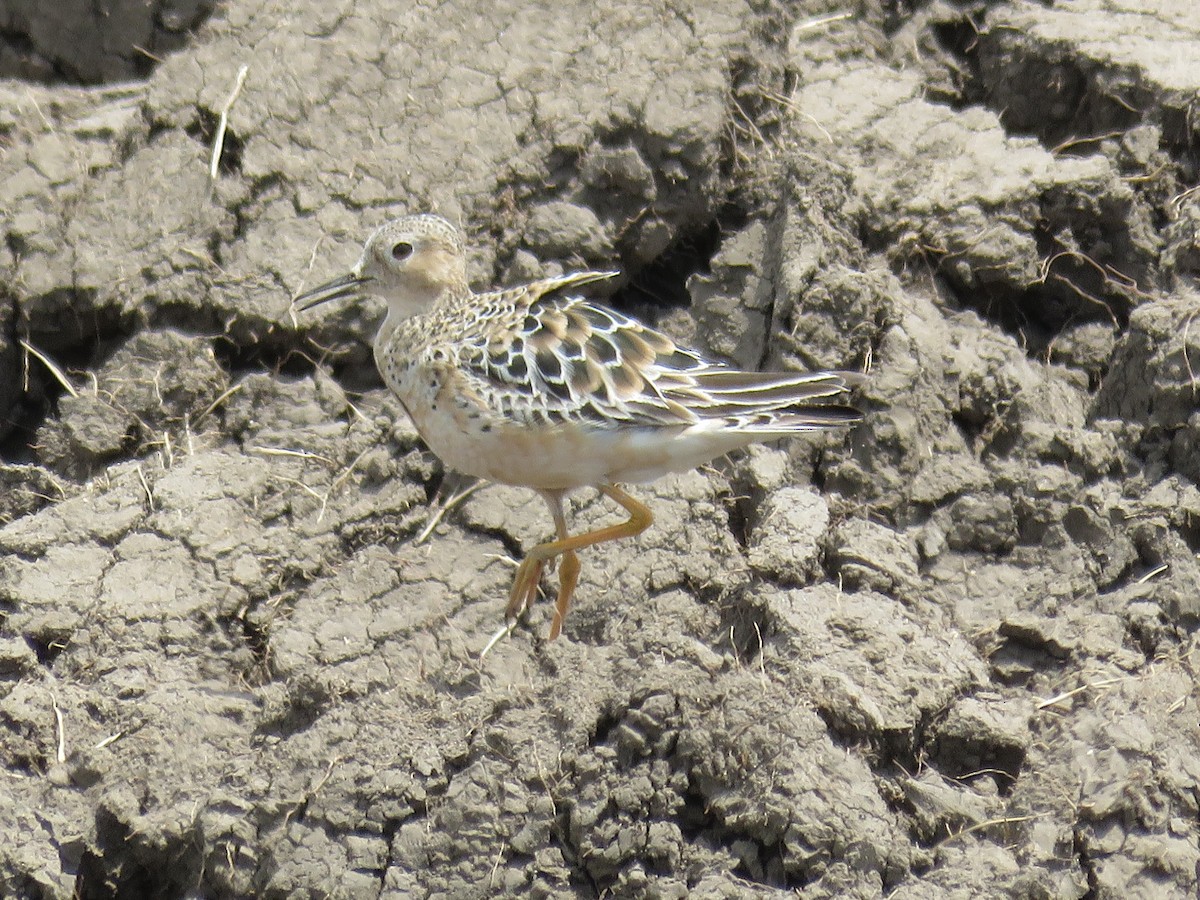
[(410, 262)]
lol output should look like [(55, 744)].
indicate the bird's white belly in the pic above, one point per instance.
[(549, 458), (472, 441), (568, 457)]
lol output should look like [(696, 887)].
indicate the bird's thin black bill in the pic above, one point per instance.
[(348, 285)]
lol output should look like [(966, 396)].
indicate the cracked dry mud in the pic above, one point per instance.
[(950, 654)]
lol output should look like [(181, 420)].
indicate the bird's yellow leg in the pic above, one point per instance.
[(529, 572), (523, 593), (568, 572), (640, 518)]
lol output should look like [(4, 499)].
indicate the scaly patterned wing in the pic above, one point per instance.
[(568, 360)]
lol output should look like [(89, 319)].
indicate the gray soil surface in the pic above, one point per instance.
[(951, 653)]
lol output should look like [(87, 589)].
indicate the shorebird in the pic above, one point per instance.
[(535, 386)]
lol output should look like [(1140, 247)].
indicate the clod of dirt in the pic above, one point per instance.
[(830, 298), (144, 395), (1091, 73), (868, 556), (984, 523), (998, 215), (786, 544), (983, 736), (564, 230), (856, 648), (1181, 254), (1155, 373), (732, 302), (82, 275), (1087, 346), (24, 489)]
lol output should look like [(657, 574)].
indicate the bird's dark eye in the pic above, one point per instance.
[(402, 250)]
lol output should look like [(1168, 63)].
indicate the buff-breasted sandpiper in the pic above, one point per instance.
[(535, 386)]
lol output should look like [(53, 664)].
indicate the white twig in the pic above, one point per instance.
[(438, 512), (1153, 572), (298, 454), (49, 364), (221, 399), (61, 755), (111, 739), (146, 488), (1067, 695), (223, 124), (824, 20)]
